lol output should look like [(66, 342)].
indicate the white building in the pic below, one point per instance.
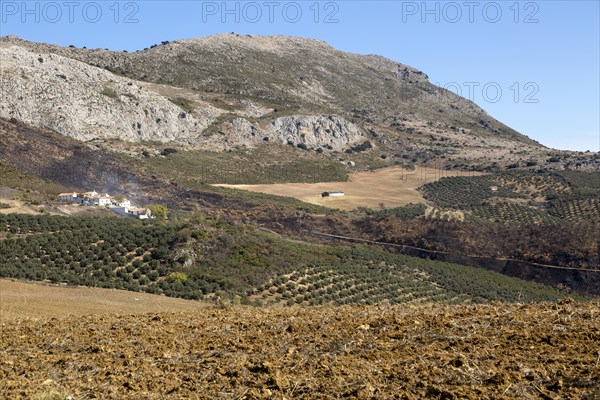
[(121, 203), (104, 200), (332, 194), (141, 213), (99, 200), (67, 196)]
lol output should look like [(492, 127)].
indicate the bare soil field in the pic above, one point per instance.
[(38, 300), (497, 351), (390, 187), (10, 205), (21, 207)]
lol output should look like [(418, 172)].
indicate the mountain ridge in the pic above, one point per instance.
[(237, 88)]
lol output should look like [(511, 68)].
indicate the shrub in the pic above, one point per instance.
[(361, 147), (152, 289), (177, 277), (153, 275), (198, 234), (159, 211)]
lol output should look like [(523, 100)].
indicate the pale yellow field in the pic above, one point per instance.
[(392, 187), (36, 300)]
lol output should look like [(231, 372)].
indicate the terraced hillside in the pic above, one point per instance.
[(210, 259), (105, 252), (522, 198), (393, 280)]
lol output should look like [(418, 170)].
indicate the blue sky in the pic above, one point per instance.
[(534, 65)]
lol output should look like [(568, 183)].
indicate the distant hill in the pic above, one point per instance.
[(234, 92)]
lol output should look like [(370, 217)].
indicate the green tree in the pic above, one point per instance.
[(177, 277), (159, 211)]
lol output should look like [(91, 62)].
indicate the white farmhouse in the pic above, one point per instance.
[(141, 213), (67, 196), (118, 204), (124, 203), (100, 200)]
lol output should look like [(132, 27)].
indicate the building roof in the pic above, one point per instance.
[(67, 194)]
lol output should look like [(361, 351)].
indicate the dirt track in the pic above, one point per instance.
[(495, 351), (392, 187)]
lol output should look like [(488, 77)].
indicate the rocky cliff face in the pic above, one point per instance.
[(84, 102), (329, 132)]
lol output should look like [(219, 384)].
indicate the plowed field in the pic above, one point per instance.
[(499, 351)]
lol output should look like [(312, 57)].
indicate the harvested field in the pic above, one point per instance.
[(38, 300), (499, 351), (392, 187)]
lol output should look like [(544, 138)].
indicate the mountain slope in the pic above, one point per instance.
[(239, 91), (84, 102), (295, 71)]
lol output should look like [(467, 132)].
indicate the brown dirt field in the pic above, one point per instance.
[(497, 351), (18, 207), (392, 187), (37, 300), (52, 208)]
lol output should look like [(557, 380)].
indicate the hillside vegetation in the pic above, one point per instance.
[(204, 258), (522, 198)]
